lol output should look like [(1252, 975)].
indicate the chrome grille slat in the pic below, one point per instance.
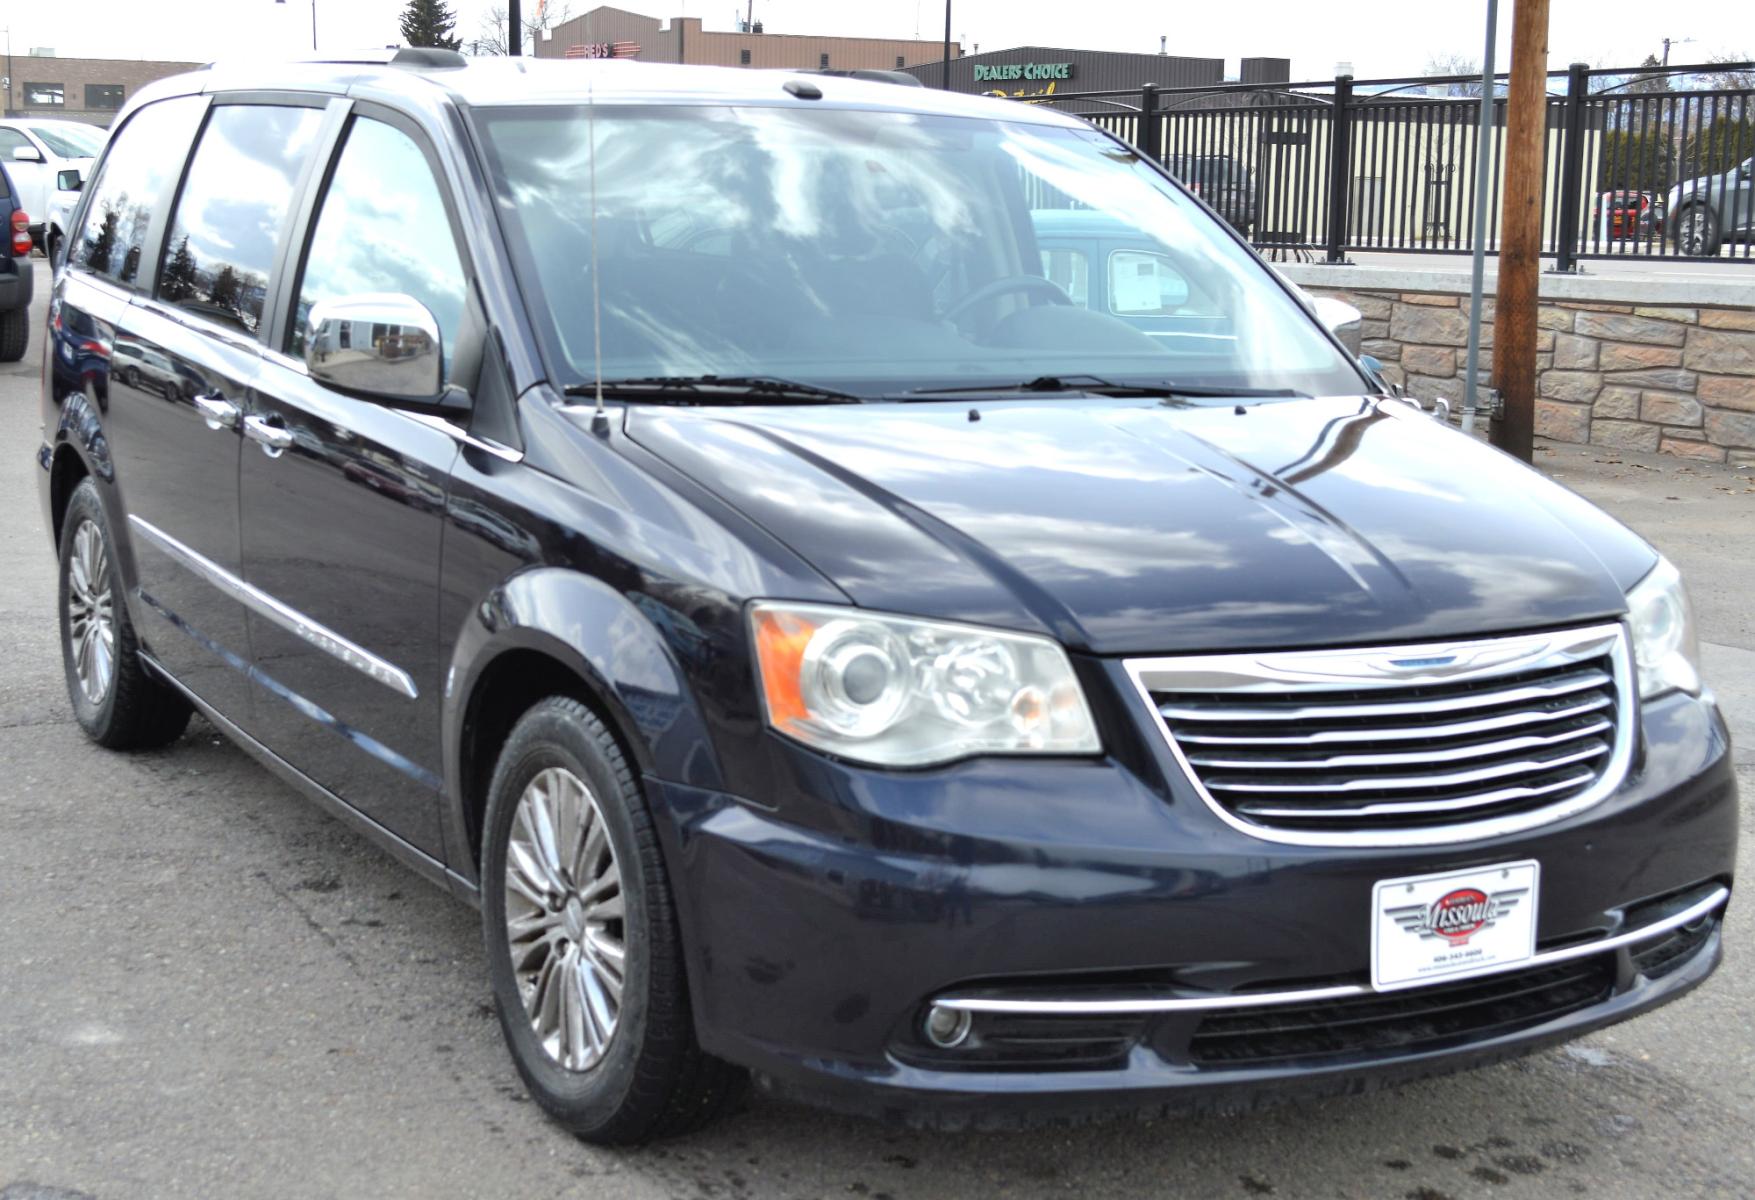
[(1412, 807), (1403, 757), (1382, 783), (1576, 683), (1406, 732), (1408, 745)]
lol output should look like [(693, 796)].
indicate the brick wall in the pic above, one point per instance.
[(1664, 378)]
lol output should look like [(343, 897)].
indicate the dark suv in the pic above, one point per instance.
[(677, 511), (17, 280)]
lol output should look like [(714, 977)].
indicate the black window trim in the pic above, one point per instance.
[(160, 226), (283, 290), (146, 275)]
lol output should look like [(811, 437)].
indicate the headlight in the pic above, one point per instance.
[(1664, 646), (903, 692)]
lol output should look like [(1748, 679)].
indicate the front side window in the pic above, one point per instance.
[(10, 140), (879, 252), (103, 95), (382, 228), (45, 95), (147, 154), (230, 215)]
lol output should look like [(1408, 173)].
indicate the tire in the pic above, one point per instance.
[(54, 249), (647, 1077), (14, 334), (115, 701), (1697, 232)]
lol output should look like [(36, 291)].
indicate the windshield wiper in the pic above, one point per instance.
[(1092, 385), (714, 389)]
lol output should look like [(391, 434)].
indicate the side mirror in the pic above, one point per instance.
[(380, 344), (1340, 319), (68, 180), (1374, 372), (26, 154)]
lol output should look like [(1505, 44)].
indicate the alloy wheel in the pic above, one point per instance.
[(91, 622), (1694, 233), (565, 920)]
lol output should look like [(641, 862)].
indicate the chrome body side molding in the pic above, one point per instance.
[(290, 619)]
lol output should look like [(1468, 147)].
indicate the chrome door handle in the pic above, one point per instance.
[(217, 411), (274, 438)]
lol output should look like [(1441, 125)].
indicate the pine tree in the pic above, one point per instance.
[(429, 23), (179, 278)]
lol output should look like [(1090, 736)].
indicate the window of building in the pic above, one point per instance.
[(103, 95), (45, 95), (382, 228), (743, 56), (229, 218), (145, 156), (823, 61), (899, 62)]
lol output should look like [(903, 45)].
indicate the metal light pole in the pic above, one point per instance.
[(313, 28), (945, 78), (514, 28), (1483, 144)]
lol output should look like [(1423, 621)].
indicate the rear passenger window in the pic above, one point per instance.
[(382, 227), (142, 160), (232, 209)]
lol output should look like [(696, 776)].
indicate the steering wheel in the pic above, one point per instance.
[(1005, 286)]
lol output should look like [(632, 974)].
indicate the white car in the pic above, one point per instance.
[(49, 161)]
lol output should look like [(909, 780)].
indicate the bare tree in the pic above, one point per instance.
[(1439, 65), (1729, 79), (491, 37)]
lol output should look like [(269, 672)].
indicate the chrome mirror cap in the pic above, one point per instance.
[(1340, 319), (378, 344)]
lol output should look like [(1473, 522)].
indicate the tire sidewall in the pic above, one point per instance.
[(85, 506), (583, 1100)]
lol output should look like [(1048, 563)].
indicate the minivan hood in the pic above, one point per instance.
[(1139, 527)]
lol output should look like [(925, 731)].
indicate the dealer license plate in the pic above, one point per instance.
[(1427, 928)]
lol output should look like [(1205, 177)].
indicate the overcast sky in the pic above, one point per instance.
[(1379, 37)]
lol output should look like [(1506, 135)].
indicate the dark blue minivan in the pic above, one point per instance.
[(869, 589)]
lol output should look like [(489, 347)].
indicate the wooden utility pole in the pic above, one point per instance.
[(1520, 230)]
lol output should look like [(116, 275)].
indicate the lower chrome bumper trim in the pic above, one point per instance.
[(1143, 1005)]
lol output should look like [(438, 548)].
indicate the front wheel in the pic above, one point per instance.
[(582, 941), (1698, 234), (14, 334)]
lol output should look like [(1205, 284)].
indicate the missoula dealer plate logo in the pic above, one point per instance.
[(1457, 915)]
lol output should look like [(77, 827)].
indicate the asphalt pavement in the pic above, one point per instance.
[(208, 988)]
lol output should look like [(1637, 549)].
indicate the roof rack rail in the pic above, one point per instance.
[(869, 74), (393, 56)]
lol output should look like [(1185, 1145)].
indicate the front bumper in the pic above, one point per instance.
[(816, 948)]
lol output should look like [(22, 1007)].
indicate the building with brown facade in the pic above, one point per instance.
[(43, 84), (616, 33)]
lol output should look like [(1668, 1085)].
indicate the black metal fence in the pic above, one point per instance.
[(1641, 162)]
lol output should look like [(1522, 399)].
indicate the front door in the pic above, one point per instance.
[(343, 506)]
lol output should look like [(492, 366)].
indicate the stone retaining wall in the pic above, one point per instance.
[(1663, 378)]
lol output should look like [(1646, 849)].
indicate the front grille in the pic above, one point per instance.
[(1356, 741), (1401, 1022)]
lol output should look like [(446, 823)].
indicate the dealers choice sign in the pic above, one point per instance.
[(1007, 71)]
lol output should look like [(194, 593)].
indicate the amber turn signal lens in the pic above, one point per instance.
[(780, 641)]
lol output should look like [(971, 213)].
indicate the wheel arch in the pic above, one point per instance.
[(553, 631)]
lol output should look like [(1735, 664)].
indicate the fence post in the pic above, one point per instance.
[(1572, 168), (1151, 144), (1340, 169)]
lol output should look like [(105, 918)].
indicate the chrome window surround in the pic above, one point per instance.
[(1143, 1005), (1280, 672), (289, 619)]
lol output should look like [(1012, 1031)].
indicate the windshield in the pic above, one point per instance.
[(881, 252), (70, 141)]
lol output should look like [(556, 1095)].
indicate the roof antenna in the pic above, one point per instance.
[(599, 418)]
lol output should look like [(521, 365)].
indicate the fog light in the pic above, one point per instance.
[(947, 1028)]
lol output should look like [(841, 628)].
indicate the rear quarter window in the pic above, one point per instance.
[(143, 159)]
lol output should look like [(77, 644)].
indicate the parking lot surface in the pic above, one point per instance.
[(207, 988)]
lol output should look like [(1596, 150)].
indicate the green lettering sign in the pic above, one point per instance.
[(1004, 71)]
